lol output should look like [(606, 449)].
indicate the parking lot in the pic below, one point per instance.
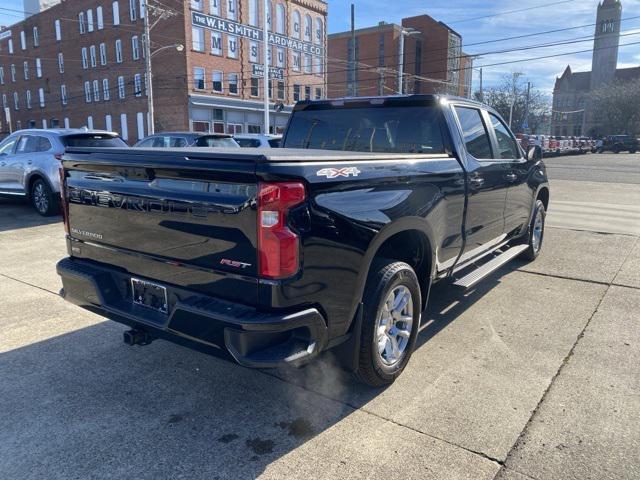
[(532, 375)]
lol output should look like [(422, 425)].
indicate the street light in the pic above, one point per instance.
[(515, 95), (404, 32)]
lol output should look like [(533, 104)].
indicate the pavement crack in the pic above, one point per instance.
[(29, 284)]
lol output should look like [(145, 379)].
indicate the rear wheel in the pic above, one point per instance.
[(390, 324), (536, 232), (43, 199)]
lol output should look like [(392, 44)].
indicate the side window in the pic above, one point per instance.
[(474, 132), (44, 145), (507, 146), (6, 147), (178, 142), (27, 144), (146, 143)]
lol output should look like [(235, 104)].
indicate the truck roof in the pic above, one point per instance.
[(421, 99)]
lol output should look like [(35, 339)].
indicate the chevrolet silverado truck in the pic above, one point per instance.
[(272, 256)]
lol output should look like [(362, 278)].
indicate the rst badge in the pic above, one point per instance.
[(338, 172)]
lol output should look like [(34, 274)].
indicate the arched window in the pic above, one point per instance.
[(307, 28), (253, 12), (280, 26), (319, 34), (296, 24), (270, 16)]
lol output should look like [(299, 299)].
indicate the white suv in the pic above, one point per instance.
[(257, 140), (30, 162)]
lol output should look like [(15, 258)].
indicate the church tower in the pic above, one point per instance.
[(605, 45)]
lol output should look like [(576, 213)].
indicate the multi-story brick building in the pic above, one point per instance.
[(81, 63), (433, 60)]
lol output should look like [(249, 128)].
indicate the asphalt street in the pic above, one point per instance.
[(532, 375)]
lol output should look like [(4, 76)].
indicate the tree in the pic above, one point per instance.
[(501, 96), (616, 108)]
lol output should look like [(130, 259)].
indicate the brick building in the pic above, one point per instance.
[(433, 60), (81, 63)]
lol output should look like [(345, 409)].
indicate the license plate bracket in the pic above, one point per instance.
[(150, 295)]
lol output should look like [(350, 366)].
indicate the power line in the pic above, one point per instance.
[(509, 12)]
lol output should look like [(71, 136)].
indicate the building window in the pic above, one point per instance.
[(41, 97), (198, 78), (81, 23), (140, 125), (307, 64), (253, 12), (13, 72), (135, 47), (116, 13), (296, 24), (16, 101), (232, 9), (119, 51), (307, 92), (63, 94), (36, 37), (28, 95), (105, 89), (1, 75), (254, 52), (217, 78), (281, 28), (23, 40), (96, 91), (87, 92), (197, 35), (280, 90), (90, 122), (92, 55), (67, 124), (281, 56), (107, 122), (254, 128), (232, 46), (133, 10), (255, 86), (214, 7), (296, 61), (137, 85), (196, 5), (121, 91), (216, 43), (296, 93), (318, 93), (25, 67), (319, 36), (307, 28), (85, 61), (61, 63), (99, 18), (233, 83), (124, 132), (103, 54), (90, 20), (38, 68), (234, 128), (58, 30)]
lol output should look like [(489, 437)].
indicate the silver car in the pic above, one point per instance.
[(30, 162)]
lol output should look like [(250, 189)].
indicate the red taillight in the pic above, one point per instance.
[(278, 246), (64, 201)]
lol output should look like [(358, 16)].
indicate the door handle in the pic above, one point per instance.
[(512, 177), (476, 181)]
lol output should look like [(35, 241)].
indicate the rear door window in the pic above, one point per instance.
[(507, 146), (248, 142), (474, 132), (27, 144)]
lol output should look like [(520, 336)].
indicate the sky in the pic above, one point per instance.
[(462, 16)]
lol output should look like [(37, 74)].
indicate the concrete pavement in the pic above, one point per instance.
[(531, 375)]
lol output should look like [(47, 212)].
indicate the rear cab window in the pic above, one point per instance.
[(248, 142), (92, 140), (370, 128)]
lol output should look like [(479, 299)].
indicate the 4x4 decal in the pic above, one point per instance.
[(338, 172)]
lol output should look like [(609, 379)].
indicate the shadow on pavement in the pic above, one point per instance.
[(17, 213)]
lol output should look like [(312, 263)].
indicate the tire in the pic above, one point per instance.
[(535, 236), (43, 199), (389, 281)]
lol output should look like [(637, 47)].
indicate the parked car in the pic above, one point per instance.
[(620, 143), (187, 139), (255, 140), (30, 162), (271, 258)]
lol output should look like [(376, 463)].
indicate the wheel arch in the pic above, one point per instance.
[(31, 179)]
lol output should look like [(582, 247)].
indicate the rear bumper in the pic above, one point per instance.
[(253, 338)]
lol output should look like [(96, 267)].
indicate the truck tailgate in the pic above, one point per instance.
[(167, 216)]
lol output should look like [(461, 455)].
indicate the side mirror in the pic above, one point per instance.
[(535, 153)]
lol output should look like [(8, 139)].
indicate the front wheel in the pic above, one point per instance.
[(391, 319), (43, 199), (536, 232)]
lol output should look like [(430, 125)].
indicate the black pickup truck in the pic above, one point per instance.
[(272, 256)]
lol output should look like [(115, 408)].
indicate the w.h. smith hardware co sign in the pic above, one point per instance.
[(246, 31)]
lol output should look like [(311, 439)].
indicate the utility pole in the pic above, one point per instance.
[(515, 93), (266, 67), (526, 111), (352, 57), (481, 89), (147, 64)]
